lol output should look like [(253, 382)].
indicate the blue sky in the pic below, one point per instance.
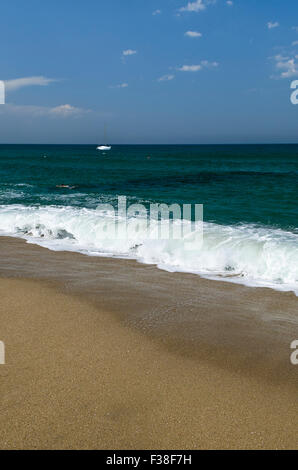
[(157, 71)]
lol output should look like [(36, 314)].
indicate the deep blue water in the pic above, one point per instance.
[(249, 193), (239, 183)]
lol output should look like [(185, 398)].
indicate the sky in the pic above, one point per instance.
[(155, 71)]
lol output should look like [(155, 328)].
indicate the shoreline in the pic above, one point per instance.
[(113, 354)]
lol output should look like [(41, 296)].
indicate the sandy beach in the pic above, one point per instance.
[(112, 354)]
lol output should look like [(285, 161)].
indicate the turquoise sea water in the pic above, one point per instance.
[(250, 196)]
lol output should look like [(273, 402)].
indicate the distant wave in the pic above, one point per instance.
[(246, 254)]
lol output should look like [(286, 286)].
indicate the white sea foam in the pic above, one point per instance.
[(246, 254)]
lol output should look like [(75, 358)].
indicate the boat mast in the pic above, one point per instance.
[(105, 142)]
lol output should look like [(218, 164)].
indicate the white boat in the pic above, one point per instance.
[(104, 147)]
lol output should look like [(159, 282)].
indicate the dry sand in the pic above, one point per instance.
[(105, 354)]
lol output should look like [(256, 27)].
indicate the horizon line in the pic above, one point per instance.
[(180, 144)]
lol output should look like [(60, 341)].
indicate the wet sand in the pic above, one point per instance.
[(112, 354)]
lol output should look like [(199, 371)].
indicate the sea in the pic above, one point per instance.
[(52, 195)]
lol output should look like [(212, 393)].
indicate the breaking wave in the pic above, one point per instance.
[(246, 254)]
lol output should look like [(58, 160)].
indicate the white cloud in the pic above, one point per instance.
[(129, 52), (198, 67), (121, 85), (12, 85), (65, 110), (230, 3), (190, 68), (295, 28), (206, 63), (196, 6), (156, 12), (166, 78), (295, 43), (193, 34), (286, 66), (271, 25), (280, 57)]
